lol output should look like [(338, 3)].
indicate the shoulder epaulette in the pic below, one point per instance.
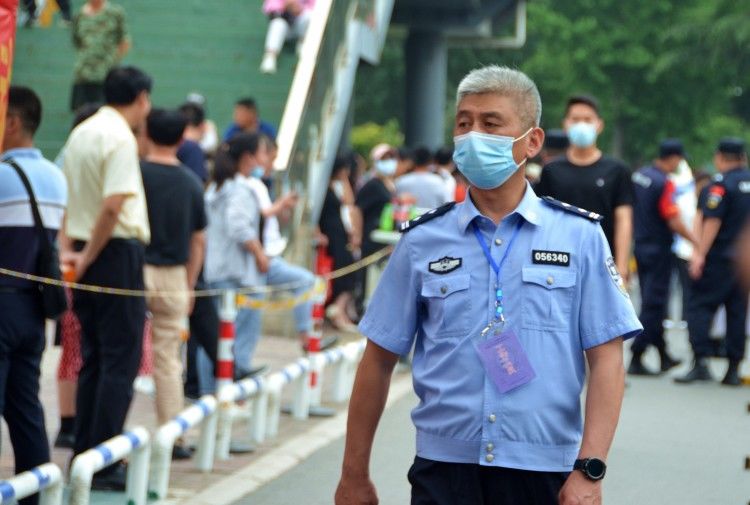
[(592, 216), (427, 216)]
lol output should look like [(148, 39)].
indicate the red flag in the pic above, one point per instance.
[(7, 41)]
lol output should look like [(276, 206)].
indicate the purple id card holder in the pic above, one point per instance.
[(505, 361)]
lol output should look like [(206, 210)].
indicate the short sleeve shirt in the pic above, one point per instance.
[(96, 39), (101, 160), (727, 198), (19, 237), (176, 210), (438, 292), (600, 187)]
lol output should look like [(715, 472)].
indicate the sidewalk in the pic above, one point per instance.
[(185, 479)]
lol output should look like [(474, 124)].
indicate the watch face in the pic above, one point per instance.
[(595, 468)]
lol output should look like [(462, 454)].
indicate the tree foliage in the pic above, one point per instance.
[(659, 69)]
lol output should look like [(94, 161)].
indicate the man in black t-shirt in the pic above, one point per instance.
[(174, 257), (586, 178)]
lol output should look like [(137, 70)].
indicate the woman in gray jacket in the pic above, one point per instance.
[(234, 254)]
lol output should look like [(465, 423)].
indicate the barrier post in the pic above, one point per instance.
[(135, 442), (225, 351), (45, 479), (259, 415), (201, 412), (314, 339)]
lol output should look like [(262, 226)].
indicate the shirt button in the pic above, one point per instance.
[(489, 458), (490, 447), (550, 280), (492, 418), (498, 241), (443, 289)]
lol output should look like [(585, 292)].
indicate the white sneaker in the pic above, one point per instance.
[(268, 65)]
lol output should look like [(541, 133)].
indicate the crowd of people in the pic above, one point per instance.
[(150, 200), (140, 201)]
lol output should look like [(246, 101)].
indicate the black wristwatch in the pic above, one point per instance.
[(592, 468)]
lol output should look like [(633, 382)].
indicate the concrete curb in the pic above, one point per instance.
[(270, 466)]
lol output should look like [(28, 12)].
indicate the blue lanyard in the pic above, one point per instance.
[(497, 268)]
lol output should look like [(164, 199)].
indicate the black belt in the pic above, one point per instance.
[(78, 245)]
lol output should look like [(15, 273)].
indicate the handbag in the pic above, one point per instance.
[(54, 301)]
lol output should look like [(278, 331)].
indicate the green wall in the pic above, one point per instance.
[(210, 46)]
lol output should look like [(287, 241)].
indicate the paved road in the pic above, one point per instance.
[(681, 445)]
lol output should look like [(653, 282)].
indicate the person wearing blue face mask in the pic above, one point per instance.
[(501, 297), (587, 178)]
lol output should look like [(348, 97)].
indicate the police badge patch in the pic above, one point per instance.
[(715, 195), (445, 265), (616, 277)]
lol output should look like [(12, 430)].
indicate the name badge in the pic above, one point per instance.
[(505, 361), (557, 258)]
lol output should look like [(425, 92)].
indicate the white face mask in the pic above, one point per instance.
[(386, 167)]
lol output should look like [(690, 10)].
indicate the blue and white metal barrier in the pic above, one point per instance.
[(203, 412), (345, 368), (135, 444), (45, 479), (227, 398)]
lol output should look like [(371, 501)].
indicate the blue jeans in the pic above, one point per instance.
[(281, 272), (246, 337)]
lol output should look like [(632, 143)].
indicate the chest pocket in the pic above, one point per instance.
[(547, 298), (447, 302)]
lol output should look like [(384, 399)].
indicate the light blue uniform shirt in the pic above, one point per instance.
[(557, 312)]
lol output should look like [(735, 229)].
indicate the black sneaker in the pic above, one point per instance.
[(180, 452), (113, 480), (637, 368), (699, 373), (732, 378), (65, 440), (325, 344), (240, 374), (667, 363)]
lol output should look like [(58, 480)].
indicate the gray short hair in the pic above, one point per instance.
[(507, 82)]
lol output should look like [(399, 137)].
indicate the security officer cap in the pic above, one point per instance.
[(671, 147), (731, 145), (555, 139)]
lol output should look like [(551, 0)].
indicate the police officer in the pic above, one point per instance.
[(725, 209), (503, 296), (657, 219)]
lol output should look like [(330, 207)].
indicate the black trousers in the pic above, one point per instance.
[(438, 483), (718, 286), (204, 332), (111, 342), (654, 276), (21, 346), (681, 266)]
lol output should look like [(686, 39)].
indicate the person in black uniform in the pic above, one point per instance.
[(656, 218), (725, 208)]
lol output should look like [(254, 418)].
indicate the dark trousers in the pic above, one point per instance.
[(83, 93), (438, 483), (29, 6), (111, 343), (681, 266), (654, 276), (21, 347), (204, 332), (718, 286)]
